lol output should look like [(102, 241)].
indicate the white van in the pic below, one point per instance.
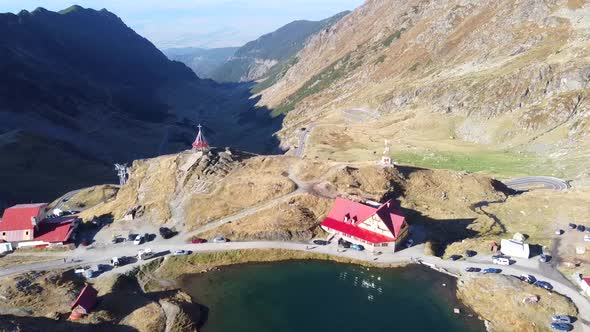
[(501, 260)]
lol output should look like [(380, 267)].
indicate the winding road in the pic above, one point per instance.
[(102, 255), (537, 182)]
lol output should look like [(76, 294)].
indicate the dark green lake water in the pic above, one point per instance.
[(308, 296)]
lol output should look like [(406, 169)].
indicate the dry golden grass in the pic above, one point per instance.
[(147, 318), (89, 197), (539, 213), (499, 299), (259, 180), (43, 293), (297, 219)]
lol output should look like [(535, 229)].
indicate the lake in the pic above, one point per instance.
[(306, 296)]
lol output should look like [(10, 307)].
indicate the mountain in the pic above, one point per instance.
[(79, 91), (255, 59), (203, 61), (497, 85)]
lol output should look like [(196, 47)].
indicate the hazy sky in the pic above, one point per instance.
[(201, 23)]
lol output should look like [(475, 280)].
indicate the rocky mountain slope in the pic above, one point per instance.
[(202, 61), (257, 58), (79, 91), (510, 75)]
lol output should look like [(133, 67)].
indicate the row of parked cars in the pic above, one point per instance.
[(530, 279), (579, 228)]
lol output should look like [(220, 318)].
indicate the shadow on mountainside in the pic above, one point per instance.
[(440, 232), (233, 119), (43, 161)]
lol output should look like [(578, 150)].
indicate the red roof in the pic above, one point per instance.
[(587, 281), (200, 140), (342, 207), (18, 217), (86, 299), (356, 213), (356, 231), (52, 232), (200, 144)]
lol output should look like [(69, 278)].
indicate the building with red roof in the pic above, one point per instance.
[(20, 221), (368, 225), (26, 224), (84, 302)]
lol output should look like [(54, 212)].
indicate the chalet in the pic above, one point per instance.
[(20, 221), (371, 226), (26, 225), (84, 302)]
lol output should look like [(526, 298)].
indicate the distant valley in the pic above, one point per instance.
[(202, 61), (265, 58)]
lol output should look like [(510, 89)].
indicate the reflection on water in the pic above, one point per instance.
[(360, 279), (321, 296)]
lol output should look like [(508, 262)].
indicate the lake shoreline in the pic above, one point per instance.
[(441, 289), (175, 270)]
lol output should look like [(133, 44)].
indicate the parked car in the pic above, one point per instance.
[(144, 254), (115, 261), (491, 270), (501, 260), (562, 326), (320, 242), (344, 244), (572, 226), (89, 273), (544, 258), (587, 237), (138, 240), (528, 278), (562, 319), (197, 240), (581, 228), (166, 232), (455, 257), (559, 232), (219, 239), (131, 237), (81, 269), (543, 284), (117, 239), (357, 247), (470, 253), (180, 252), (473, 269)]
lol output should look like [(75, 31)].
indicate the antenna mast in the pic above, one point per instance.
[(122, 172)]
